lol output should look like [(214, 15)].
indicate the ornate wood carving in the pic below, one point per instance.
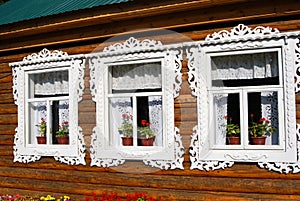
[(39, 61)]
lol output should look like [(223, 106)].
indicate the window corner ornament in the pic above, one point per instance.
[(34, 67), (163, 64), (241, 32), (207, 165), (170, 164)]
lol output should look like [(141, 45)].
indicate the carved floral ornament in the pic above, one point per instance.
[(171, 151), (45, 61)]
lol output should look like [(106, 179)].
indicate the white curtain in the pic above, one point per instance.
[(269, 108), (220, 106), (51, 83), (39, 111), (246, 66), (136, 76), (119, 106), (155, 118)]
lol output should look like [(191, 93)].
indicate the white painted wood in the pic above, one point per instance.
[(133, 51), (205, 155), (46, 61)]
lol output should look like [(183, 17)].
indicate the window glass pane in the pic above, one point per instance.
[(263, 116), (135, 77), (60, 121), (150, 121), (121, 121), (226, 115), (37, 120), (245, 70), (48, 84)]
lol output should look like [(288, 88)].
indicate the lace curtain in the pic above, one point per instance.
[(220, 106), (39, 110), (51, 83), (121, 106), (269, 110), (246, 66), (136, 76), (155, 117)]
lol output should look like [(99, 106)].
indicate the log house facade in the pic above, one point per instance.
[(89, 30)]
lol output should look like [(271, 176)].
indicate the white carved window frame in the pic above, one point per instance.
[(241, 37), (74, 152), (168, 156)]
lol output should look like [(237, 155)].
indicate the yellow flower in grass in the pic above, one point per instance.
[(48, 198)]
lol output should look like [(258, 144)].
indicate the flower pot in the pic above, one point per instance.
[(63, 140), (41, 139), (147, 141), (233, 140), (127, 141), (259, 140)]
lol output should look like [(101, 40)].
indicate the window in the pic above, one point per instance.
[(48, 107), (244, 90), (134, 91), (135, 103)]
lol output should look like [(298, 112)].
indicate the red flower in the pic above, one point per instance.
[(148, 124), (225, 117), (144, 122), (251, 115)]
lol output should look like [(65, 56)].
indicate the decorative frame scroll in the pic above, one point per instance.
[(172, 151), (239, 38), (74, 153)]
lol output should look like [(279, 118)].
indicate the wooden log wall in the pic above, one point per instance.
[(244, 181)]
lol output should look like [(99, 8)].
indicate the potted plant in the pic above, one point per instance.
[(42, 130), (146, 134), (232, 132), (126, 130), (62, 135), (259, 130)]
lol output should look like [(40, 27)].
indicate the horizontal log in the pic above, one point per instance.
[(8, 109), (6, 139), (185, 114), (6, 77), (4, 67), (6, 87), (93, 180), (6, 150), (8, 129), (6, 98), (8, 119)]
